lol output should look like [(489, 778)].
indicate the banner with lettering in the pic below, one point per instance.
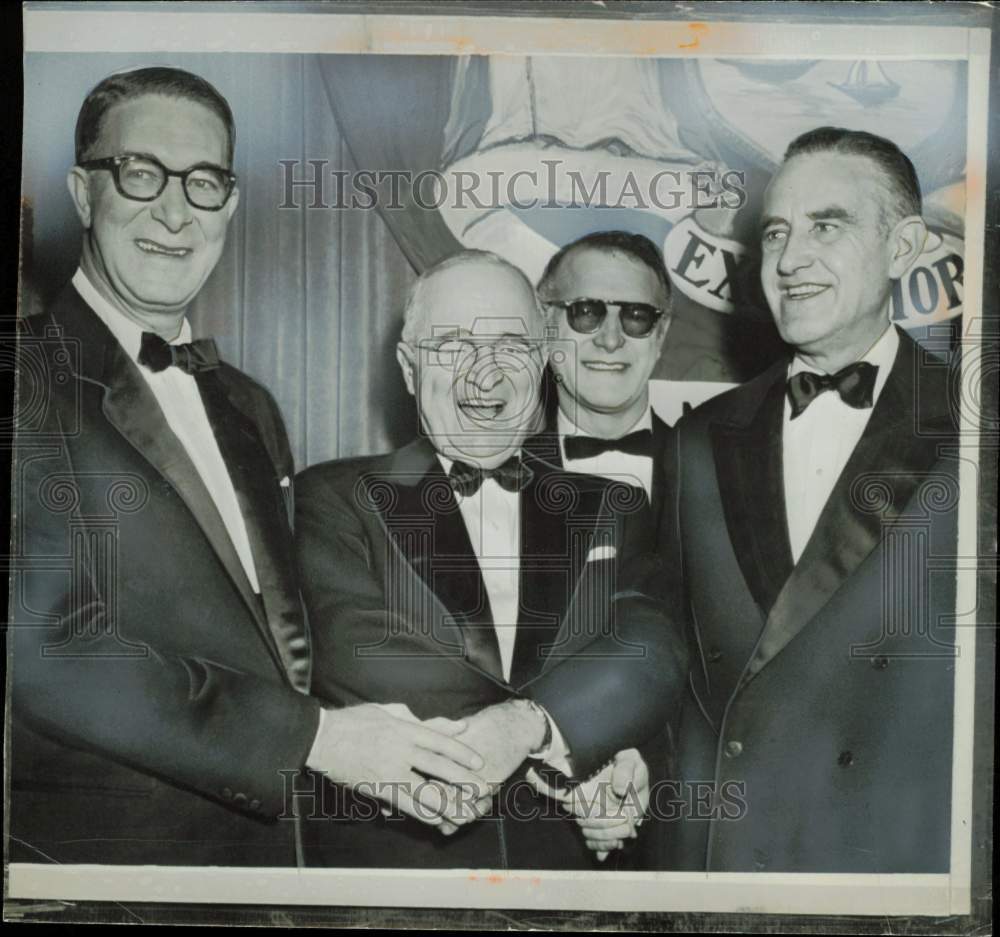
[(540, 150)]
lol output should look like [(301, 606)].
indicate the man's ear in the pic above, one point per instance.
[(662, 327), (234, 200), (79, 190), (907, 242), (404, 355)]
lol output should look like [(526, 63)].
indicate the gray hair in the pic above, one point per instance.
[(414, 311), (898, 177)]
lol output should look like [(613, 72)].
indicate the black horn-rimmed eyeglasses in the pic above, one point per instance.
[(143, 178)]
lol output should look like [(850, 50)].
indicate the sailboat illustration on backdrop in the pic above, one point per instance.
[(868, 84)]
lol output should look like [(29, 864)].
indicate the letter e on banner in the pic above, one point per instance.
[(703, 266)]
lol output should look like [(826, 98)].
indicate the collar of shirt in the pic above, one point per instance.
[(882, 354), (127, 332), (566, 427)]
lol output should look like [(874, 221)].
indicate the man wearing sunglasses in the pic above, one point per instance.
[(160, 662), (463, 579), (607, 296)]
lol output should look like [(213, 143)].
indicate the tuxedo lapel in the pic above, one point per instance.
[(550, 565), (423, 522), (579, 577), (658, 494), (748, 464), (258, 490), (897, 450), (132, 409)]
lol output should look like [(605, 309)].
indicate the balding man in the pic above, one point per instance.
[(460, 580)]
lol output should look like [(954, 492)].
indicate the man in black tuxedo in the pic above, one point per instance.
[(160, 661), (607, 297), (814, 501), (459, 580)]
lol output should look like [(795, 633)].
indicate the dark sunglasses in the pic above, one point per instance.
[(587, 315)]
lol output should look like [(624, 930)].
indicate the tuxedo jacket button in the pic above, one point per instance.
[(255, 804), (239, 798), (733, 749), (714, 655), (845, 759)]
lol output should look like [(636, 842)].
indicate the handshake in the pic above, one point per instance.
[(445, 772)]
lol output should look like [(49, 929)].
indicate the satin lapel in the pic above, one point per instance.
[(545, 445), (258, 491), (885, 469), (549, 569), (661, 434), (131, 408), (585, 597), (748, 463), (423, 522)]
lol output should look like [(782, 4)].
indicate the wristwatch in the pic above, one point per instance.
[(547, 738)]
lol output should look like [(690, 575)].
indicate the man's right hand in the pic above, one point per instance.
[(372, 748)]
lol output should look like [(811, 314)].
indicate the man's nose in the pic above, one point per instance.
[(483, 370), (796, 254), (610, 336), (172, 208)]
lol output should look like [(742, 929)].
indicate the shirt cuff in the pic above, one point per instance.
[(557, 754)]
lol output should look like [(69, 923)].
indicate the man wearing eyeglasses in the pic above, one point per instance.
[(462, 579), (161, 664), (607, 296)]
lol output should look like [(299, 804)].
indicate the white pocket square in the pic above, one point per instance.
[(606, 551), (286, 482)]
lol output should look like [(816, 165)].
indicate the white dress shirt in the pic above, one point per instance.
[(180, 400), (492, 518), (634, 470), (817, 444)]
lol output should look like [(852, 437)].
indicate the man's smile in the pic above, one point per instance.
[(614, 367), (162, 250), (482, 409), (803, 290)]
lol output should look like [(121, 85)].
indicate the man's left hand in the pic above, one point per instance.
[(505, 735), (608, 806)]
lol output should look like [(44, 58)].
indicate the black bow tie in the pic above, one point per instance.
[(855, 384), (467, 479), (585, 447), (158, 355)]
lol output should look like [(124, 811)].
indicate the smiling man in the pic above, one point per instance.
[(812, 501), (607, 297), (463, 580), (160, 661)]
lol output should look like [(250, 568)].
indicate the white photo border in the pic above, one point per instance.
[(164, 31)]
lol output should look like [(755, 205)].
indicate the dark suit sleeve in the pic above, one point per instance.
[(185, 719), (624, 685)]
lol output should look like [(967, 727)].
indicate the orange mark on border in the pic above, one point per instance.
[(500, 879), (697, 27)]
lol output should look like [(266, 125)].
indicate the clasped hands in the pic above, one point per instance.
[(445, 772)]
